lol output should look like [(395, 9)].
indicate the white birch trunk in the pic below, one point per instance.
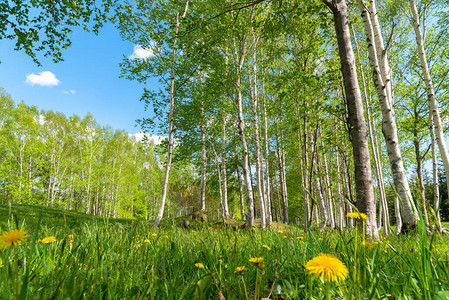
[(267, 165), (341, 216), (241, 129), (242, 202), (389, 128), (433, 106), (223, 167), (282, 177), (254, 107), (384, 218), (224, 213), (436, 184), (203, 156), (381, 51), (397, 210), (170, 120), (329, 204)]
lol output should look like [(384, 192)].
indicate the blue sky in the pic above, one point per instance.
[(86, 81)]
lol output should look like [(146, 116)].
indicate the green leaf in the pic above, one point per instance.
[(282, 287), (442, 295)]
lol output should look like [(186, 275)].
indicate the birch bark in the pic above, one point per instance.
[(362, 165), (267, 165), (433, 106), (170, 119), (436, 185), (384, 214), (258, 154), (203, 156), (389, 128), (241, 128)]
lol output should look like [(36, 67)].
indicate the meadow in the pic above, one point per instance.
[(69, 255)]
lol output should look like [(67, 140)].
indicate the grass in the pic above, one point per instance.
[(95, 258)]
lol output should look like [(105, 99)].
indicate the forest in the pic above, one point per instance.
[(260, 118), (304, 155)]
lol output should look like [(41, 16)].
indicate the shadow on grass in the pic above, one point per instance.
[(51, 216)]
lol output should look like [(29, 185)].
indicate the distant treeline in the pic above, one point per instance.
[(74, 163)]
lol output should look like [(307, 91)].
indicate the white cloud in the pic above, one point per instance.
[(157, 139), (141, 53), (45, 78), (69, 92)]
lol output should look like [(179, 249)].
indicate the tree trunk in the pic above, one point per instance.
[(203, 155), (389, 128), (224, 213), (242, 202), (397, 210), (433, 106), (362, 165), (282, 177), (329, 204), (258, 154), (436, 185), (241, 129), (267, 165), (419, 168), (384, 214), (339, 179), (170, 120), (223, 167), (303, 140)]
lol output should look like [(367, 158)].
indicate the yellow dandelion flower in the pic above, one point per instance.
[(266, 247), (193, 231), (327, 267), (199, 265), (344, 254), (239, 270), (146, 240), (256, 260), (154, 234), (49, 240), (284, 236), (12, 238), (356, 215), (366, 244), (165, 236), (320, 239), (137, 245), (280, 231), (71, 241), (221, 256), (385, 251), (1, 265), (299, 237), (70, 236)]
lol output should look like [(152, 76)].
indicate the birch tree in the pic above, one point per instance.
[(433, 105), (382, 81), (362, 165)]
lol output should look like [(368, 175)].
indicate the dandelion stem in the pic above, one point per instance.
[(244, 287), (328, 294)]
